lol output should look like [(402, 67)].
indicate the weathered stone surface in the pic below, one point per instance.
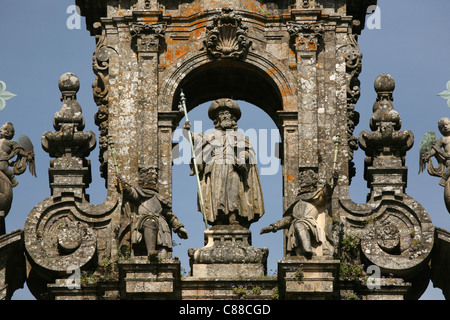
[(262, 288)]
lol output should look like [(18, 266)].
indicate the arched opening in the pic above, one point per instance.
[(230, 79), (265, 137), (258, 92)]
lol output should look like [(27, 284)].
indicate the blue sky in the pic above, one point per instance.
[(413, 45)]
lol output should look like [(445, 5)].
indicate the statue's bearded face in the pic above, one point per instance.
[(225, 120), (148, 179), (308, 182)]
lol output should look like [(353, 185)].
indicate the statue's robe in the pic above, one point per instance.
[(225, 188)]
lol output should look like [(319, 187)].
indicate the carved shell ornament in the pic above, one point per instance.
[(227, 36)]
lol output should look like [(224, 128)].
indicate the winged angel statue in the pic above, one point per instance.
[(440, 149)]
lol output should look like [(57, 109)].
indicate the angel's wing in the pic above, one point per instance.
[(427, 142), (27, 145)]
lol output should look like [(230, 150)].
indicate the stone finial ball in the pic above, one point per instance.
[(384, 83), (69, 82)]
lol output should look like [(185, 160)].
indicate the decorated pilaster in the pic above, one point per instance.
[(306, 37), (147, 36)]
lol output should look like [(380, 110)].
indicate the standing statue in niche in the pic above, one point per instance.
[(308, 234), (227, 169), (440, 149), (147, 218)]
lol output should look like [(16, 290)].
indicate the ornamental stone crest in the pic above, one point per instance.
[(306, 35), (227, 36), (147, 36)]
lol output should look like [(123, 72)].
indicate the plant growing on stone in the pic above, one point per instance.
[(240, 291), (351, 270), (256, 290), (350, 267), (125, 255), (275, 294), (349, 296), (349, 247), (414, 241), (298, 272), (87, 278)]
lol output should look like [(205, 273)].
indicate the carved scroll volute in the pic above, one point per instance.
[(398, 238), (227, 36), (55, 241)]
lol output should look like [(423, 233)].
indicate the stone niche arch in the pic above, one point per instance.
[(256, 80), (203, 79)]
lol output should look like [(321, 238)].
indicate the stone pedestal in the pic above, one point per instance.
[(228, 267), (141, 279), (228, 254), (301, 279)]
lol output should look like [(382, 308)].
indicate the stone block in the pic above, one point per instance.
[(141, 279), (300, 279)]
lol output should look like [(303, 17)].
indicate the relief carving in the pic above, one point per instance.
[(227, 37)]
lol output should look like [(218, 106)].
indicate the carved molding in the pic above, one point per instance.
[(100, 66), (353, 63), (227, 37)]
